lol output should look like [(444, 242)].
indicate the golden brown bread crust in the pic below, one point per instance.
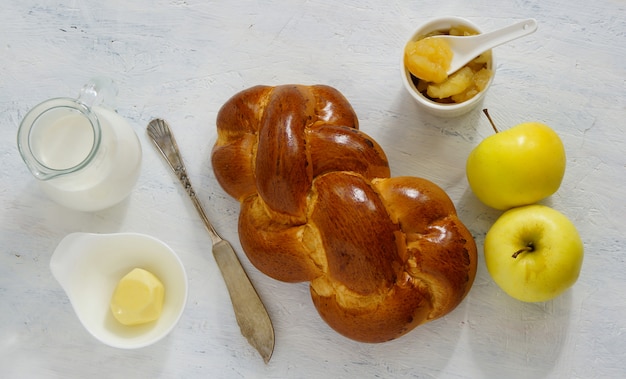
[(383, 255)]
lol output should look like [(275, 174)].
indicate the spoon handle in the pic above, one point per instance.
[(467, 48), (506, 34), (252, 317)]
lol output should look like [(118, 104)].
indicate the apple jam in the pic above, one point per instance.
[(428, 61)]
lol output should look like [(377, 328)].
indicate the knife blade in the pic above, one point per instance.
[(252, 317)]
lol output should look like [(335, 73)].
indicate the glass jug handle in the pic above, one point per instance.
[(99, 91)]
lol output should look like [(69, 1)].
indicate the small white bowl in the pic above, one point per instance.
[(439, 109), (89, 266)]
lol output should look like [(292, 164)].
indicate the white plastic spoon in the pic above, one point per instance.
[(466, 48)]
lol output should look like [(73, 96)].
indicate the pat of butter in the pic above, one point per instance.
[(138, 298)]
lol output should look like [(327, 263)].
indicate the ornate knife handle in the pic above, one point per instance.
[(162, 137)]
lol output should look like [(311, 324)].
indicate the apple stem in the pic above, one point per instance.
[(528, 248), (493, 125)]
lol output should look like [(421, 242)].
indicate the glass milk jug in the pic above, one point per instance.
[(85, 156)]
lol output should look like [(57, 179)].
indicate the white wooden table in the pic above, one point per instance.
[(181, 60)]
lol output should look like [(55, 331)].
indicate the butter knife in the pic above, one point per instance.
[(252, 317)]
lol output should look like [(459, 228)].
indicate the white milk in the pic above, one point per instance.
[(108, 178), (65, 143)]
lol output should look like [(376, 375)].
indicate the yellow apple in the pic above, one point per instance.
[(534, 253), (518, 166)]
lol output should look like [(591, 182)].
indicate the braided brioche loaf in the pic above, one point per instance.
[(382, 255)]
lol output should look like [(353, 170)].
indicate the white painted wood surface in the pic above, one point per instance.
[(181, 60)]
